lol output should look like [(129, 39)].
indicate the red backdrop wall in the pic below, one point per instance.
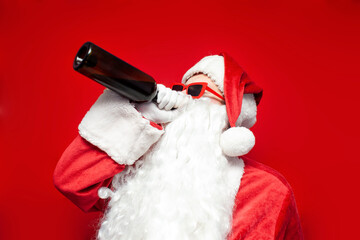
[(305, 55)]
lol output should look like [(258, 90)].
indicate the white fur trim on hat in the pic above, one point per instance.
[(237, 141), (248, 113), (212, 66)]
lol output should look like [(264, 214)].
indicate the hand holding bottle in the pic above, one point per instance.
[(168, 105), (168, 99)]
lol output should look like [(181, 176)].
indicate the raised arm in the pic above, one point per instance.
[(113, 134)]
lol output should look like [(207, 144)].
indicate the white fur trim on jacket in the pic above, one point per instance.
[(212, 66), (113, 125)]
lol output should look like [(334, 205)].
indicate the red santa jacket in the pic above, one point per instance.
[(264, 206)]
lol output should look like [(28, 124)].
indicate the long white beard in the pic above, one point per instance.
[(183, 188)]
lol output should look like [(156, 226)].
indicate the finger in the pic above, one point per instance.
[(163, 117), (166, 116), (161, 92), (165, 99), (181, 100), (172, 100)]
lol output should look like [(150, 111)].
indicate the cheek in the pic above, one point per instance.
[(213, 98), (209, 95)]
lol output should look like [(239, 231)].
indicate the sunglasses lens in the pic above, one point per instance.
[(177, 87), (194, 90)]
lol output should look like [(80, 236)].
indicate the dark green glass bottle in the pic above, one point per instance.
[(115, 74)]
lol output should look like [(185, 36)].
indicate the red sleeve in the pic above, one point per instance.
[(81, 171), (288, 225)]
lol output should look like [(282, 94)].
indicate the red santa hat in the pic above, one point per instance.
[(241, 98)]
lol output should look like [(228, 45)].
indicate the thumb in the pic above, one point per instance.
[(165, 116)]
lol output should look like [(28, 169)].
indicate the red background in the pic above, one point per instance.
[(305, 55)]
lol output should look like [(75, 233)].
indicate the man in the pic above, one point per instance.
[(182, 179)]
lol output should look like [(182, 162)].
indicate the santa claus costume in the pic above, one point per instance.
[(185, 179)]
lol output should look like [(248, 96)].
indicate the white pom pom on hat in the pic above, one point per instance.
[(237, 141), (241, 98)]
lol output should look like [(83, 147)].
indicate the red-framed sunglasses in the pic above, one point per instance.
[(196, 90)]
